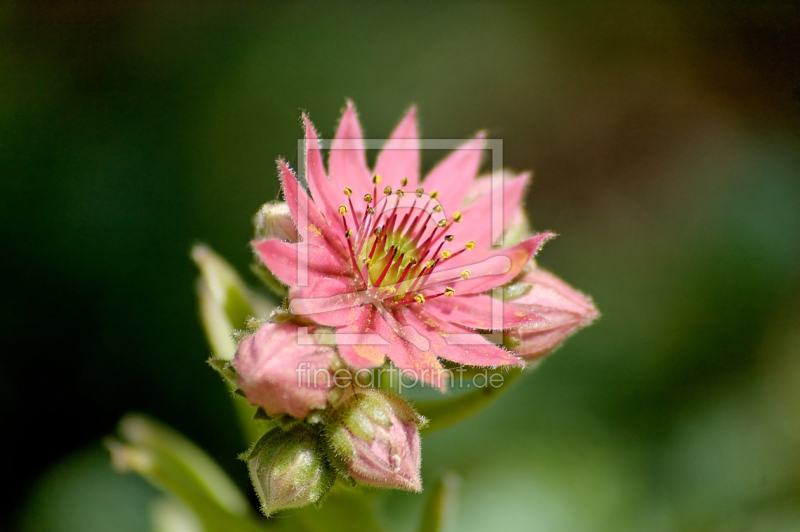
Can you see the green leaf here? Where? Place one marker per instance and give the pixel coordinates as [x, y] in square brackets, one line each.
[439, 514]
[179, 468]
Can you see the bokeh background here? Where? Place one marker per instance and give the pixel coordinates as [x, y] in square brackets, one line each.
[665, 143]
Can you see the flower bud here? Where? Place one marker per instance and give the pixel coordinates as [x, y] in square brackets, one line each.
[375, 435]
[288, 469]
[564, 309]
[274, 220]
[283, 369]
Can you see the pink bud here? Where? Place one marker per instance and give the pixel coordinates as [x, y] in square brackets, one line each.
[282, 369]
[565, 310]
[375, 435]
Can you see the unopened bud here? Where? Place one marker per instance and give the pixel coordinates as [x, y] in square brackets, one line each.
[564, 309]
[288, 469]
[374, 433]
[274, 220]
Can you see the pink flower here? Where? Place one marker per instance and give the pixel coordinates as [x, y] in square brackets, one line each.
[282, 369]
[564, 309]
[391, 263]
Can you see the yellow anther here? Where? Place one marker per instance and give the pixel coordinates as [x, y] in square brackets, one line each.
[348, 191]
[342, 209]
[465, 274]
[446, 254]
[348, 233]
[434, 194]
[438, 208]
[387, 190]
[404, 181]
[449, 238]
[368, 198]
[377, 179]
[378, 230]
[470, 245]
[429, 264]
[449, 291]
[367, 261]
[441, 223]
[400, 193]
[457, 217]
[370, 211]
[419, 298]
[419, 192]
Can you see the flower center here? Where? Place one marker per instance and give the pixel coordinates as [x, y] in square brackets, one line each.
[397, 242]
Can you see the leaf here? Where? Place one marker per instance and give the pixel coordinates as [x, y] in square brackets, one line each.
[439, 514]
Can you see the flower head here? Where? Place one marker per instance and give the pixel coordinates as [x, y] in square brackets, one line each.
[399, 267]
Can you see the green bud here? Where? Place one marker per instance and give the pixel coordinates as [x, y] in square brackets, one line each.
[288, 469]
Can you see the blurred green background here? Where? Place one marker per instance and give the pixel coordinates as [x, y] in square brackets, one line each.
[665, 141]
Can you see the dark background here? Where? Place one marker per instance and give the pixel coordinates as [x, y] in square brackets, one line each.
[665, 143]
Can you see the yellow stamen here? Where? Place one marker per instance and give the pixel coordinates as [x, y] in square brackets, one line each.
[419, 298]
[441, 223]
[348, 191]
[348, 233]
[434, 194]
[404, 181]
[419, 192]
[377, 231]
[377, 179]
[370, 210]
[446, 254]
[387, 190]
[400, 193]
[342, 209]
[368, 198]
[449, 238]
[438, 208]
[449, 291]
[470, 245]
[457, 217]
[429, 264]
[465, 274]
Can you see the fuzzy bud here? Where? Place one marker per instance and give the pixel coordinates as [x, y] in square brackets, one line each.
[375, 436]
[274, 220]
[288, 469]
[564, 309]
[282, 369]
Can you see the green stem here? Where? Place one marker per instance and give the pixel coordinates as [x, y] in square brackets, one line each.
[449, 411]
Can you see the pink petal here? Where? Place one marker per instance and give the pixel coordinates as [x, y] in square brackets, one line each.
[404, 346]
[480, 312]
[322, 190]
[458, 344]
[453, 176]
[288, 260]
[359, 343]
[476, 222]
[487, 270]
[311, 225]
[280, 373]
[400, 156]
[347, 162]
[329, 301]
